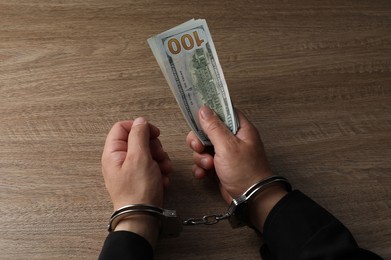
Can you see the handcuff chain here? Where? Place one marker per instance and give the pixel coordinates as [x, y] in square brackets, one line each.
[238, 202]
[172, 224]
[206, 220]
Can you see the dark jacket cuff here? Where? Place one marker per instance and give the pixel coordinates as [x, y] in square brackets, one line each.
[126, 245]
[298, 228]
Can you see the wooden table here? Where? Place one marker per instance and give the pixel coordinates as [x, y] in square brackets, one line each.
[313, 76]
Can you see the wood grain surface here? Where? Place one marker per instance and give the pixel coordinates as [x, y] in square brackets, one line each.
[313, 76]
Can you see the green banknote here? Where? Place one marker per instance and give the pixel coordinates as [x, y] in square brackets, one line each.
[188, 59]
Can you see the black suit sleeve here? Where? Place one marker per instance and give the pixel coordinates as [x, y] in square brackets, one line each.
[298, 228]
[126, 245]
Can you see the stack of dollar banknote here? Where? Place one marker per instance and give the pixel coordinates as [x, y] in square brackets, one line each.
[188, 59]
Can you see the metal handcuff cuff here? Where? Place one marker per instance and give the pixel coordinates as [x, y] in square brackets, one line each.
[171, 224]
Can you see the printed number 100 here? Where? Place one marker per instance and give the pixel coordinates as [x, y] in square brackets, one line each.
[187, 42]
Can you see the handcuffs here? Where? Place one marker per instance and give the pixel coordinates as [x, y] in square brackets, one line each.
[172, 225]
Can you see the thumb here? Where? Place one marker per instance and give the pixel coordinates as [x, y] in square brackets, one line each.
[213, 127]
[138, 140]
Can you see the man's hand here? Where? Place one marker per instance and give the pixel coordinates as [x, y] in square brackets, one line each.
[135, 168]
[239, 161]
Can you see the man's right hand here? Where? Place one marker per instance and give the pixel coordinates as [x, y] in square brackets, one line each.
[239, 161]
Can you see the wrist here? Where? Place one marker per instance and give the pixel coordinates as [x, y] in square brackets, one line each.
[261, 205]
[144, 225]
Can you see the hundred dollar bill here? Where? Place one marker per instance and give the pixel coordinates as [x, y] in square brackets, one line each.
[188, 59]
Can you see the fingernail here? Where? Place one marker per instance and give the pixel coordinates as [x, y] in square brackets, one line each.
[139, 121]
[206, 112]
[193, 144]
[198, 173]
[204, 162]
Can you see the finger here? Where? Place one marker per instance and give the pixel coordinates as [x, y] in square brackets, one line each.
[203, 160]
[247, 130]
[165, 167]
[114, 151]
[198, 172]
[160, 156]
[213, 127]
[157, 151]
[166, 181]
[154, 131]
[138, 140]
[118, 136]
[194, 143]
[158, 142]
